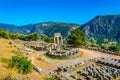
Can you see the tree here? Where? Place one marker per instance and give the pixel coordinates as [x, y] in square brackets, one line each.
[7, 35]
[113, 46]
[33, 36]
[105, 44]
[21, 36]
[49, 40]
[13, 36]
[113, 43]
[88, 43]
[46, 38]
[4, 34]
[77, 37]
[43, 37]
[94, 43]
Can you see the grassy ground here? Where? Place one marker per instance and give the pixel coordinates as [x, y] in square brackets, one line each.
[5, 60]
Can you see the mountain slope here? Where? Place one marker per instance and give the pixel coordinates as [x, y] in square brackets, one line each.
[9, 27]
[103, 27]
[48, 28]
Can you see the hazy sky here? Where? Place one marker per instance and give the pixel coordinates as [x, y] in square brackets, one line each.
[21, 12]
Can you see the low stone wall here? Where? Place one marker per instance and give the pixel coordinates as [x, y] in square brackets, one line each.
[67, 54]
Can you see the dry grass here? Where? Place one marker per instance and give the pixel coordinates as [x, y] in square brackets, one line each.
[6, 53]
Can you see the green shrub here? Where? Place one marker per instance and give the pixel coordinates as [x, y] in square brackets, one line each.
[22, 64]
[114, 48]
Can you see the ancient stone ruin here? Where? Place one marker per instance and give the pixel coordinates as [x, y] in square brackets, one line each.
[58, 39]
[60, 50]
[99, 69]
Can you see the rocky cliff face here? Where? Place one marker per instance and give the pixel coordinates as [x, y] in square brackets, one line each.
[103, 27]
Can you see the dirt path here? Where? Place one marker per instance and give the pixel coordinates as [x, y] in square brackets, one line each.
[96, 54]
